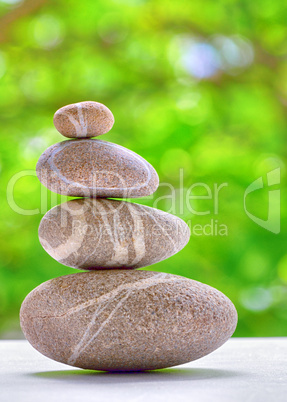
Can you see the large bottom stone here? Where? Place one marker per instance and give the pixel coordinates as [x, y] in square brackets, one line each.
[126, 320]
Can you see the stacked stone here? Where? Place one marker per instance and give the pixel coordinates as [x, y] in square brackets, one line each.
[113, 317]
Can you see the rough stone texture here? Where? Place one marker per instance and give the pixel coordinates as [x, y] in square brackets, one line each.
[95, 168]
[126, 320]
[100, 233]
[83, 119]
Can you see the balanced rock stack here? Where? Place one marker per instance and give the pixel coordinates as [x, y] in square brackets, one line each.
[113, 317]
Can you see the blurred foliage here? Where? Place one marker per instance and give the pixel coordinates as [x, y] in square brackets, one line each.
[198, 87]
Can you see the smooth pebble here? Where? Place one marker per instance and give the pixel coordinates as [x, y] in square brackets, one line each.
[83, 119]
[95, 168]
[126, 321]
[103, 234]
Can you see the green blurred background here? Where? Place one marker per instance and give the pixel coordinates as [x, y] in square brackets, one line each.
[198, 87]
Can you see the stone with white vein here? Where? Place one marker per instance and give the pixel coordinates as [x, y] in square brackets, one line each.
[83, 120]
[126, 320]
[103, 234]
[95, 168]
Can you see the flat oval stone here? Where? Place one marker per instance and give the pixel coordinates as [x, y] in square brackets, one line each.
[126, 320]
[95, 168]
[103, 234]
[83, 119]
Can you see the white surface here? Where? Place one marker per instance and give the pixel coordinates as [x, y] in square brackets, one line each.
[242, 370]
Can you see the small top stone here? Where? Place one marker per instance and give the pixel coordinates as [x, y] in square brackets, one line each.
[83, 119]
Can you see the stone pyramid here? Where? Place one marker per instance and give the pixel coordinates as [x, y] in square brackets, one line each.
[114, 317]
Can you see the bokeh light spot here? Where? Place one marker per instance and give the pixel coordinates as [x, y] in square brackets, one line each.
[256, 299]
[47, 31]
[206, 58]
[201, 60]
[254, 265]
[188, 101]
[11, 1]
[37, 85]
[235, 51]
[33, 147]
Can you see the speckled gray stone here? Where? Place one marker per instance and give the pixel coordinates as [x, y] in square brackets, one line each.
[83, 119]
[95, 168]
[100, 233]
[126, 320]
